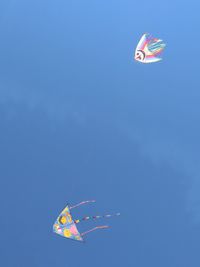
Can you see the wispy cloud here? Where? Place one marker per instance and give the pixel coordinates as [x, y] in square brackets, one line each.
[177, 150]
[56, 108]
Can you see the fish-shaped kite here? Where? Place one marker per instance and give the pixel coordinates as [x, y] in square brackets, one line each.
[66, 226]
[149, 49]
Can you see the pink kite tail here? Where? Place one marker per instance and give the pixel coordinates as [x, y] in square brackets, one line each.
[94, 229]
[82, 203]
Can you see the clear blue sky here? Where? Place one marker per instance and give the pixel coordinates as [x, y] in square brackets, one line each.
[81, 120]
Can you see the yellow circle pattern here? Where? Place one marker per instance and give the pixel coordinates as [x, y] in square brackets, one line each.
[67, 233]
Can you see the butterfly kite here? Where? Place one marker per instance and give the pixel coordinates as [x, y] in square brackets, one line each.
[66, 226]
[149, 49]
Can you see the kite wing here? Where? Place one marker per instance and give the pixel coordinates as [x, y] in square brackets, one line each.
[149, 49]
[65, 226]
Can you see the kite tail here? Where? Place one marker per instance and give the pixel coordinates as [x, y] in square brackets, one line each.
[82, 203]
[96, 217]
[157, 47]
[94, 229]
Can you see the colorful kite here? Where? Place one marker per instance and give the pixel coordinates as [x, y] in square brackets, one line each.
[148, 49]
[66, 226]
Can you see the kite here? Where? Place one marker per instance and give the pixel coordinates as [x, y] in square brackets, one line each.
[148, 49]
[65, 225]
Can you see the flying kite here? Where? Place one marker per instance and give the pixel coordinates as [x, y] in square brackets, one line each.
[149, 49]
[65, 225]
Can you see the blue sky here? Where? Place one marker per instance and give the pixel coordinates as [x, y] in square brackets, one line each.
[81, 120]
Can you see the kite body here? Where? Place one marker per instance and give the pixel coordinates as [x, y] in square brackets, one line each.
[66, 226]
[149, 49]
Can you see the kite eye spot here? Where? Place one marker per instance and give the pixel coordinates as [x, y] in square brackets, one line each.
[140, 55]
[62, 220]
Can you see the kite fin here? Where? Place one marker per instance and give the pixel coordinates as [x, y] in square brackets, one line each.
[94, 229]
